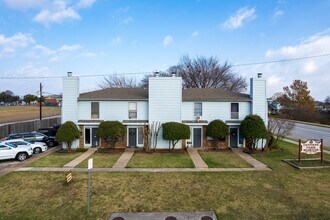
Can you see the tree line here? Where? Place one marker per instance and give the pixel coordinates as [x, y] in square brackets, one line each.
[8, 96]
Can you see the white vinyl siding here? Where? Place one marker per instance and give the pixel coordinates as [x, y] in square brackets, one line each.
[112, 110]
[215, 110]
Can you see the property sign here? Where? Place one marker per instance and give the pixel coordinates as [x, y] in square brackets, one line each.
[311, 147]
[90, 163]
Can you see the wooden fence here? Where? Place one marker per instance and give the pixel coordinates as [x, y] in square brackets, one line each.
[27, 126]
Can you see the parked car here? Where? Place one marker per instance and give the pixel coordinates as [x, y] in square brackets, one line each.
[37, 147]
[49, 131]
[34, 137]
[12, 151]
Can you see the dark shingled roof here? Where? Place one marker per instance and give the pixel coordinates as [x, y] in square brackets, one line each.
[192, 94]
[215, 95]
[116, 94]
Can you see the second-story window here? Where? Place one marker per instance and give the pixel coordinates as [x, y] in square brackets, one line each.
[95, 110]
[198, 109]
[132, 110]
[234, 111]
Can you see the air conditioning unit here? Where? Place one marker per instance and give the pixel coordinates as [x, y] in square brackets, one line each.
[198, 118]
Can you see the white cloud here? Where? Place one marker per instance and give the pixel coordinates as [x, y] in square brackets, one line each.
[25, 4]
[278, 13]
[195, 34]
[47, 16]
[313, 71]
[127, 20]
[85, 3]
[9, 45]
[52, 11]
[123, 10]
[236, 21]
[168, 40]
[70, 47]
[44, 49]
[116, 41]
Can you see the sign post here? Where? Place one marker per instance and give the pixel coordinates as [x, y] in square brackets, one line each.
[90, 167]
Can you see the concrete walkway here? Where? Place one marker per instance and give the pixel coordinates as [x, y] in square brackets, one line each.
[124, 158]
[80, 159]
[141, 170]
[26, 162]
[196, 158]
[254, 162]
[295, 142]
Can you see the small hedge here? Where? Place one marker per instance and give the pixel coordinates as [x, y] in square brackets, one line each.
[67, 133]
[111, 132]
[253, 129]
[174, 132]
[217, 129]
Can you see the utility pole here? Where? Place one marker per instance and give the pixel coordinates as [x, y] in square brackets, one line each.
[40, 101]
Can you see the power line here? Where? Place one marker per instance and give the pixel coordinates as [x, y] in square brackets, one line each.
[283, 60]
[144, 73]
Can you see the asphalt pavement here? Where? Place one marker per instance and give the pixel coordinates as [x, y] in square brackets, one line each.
[304, 132]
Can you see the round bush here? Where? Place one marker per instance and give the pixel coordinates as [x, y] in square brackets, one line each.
[67, 133]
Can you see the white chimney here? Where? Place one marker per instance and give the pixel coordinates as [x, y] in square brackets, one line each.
[70, 96]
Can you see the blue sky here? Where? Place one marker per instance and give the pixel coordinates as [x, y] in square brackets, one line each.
[49, 38]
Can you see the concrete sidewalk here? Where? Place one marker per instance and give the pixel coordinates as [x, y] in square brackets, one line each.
[141, 170]
[26, 162]
[124, 158]
[80, 159]
[254, 162]
[295, 142]
[196, 158]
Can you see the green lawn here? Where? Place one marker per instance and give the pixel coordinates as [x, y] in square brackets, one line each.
[105, 160]
[284, 193]
[223, 159]
[160, 160]
[56, 159]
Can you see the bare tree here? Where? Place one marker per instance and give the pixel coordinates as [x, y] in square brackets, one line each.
[327, 100]
[145, 80]
[279, 128]
[207, 72]
[116, 81]
[204, 72]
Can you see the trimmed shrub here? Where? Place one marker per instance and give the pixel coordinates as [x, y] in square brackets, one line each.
[174, 132]
[217, 129]
[111, 132]
[253, 129]
[67, 133]
[81, 149]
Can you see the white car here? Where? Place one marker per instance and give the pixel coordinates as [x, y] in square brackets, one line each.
[37, 147]
[12, 151]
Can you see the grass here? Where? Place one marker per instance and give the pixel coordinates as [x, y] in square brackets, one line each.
[56, 159]
[160, 160]
[20, 113]
[283, 193]
[223, 159]
[101, 160]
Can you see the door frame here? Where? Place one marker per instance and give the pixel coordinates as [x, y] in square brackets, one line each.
[90, 136]
[192, 135]
[137, 136]
[238, 135]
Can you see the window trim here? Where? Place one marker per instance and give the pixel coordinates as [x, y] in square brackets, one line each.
[132, 111]
[98, 110]
[234, 113]
[201, 109]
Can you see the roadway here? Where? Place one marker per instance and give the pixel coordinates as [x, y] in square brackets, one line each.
[304, 132]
